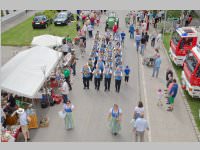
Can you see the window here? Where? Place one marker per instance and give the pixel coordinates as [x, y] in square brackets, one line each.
[175, 38]
[191, 62]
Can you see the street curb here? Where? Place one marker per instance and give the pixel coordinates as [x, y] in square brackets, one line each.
[184, 98]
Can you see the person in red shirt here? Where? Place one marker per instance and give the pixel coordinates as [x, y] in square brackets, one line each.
[92, 19]
[83, 18]
[188, 21]
[115, 28]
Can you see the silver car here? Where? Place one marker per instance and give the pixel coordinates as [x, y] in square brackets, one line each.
[63, 18]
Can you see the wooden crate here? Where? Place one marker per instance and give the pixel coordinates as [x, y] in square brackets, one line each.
[34, 122]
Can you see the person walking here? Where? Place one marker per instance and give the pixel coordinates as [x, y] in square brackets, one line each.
[68, 108]
[90, 29]
[160, 95]
[131, 31]
[173, 92]
[169, 77]
[118, 77]
[107, 36]
[24, 119]
[140, 126]
[143, 44]
[138, 38]
[138, 110]
[153, 39]
[91, 65]
[115, 28]
[123, 35]
[127, 72]
[73, 63]
[115, 117]
[156, 66]
[146, 36]
[107, 77]
[86, 71]
[97, 77]
[67, 77]
[65, 91]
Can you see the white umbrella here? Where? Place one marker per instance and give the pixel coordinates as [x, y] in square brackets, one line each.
[47, 40]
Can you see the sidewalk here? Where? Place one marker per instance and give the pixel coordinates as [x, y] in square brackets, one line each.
[165, 126]
[14, 19]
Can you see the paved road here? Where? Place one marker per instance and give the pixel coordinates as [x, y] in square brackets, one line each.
[15, 20]
[91, 107]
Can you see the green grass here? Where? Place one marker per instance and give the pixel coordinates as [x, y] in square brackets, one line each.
[193, 102]
[22, 34]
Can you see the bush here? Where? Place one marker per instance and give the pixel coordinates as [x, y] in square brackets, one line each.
[50, 13]
[173, 13]
[2, 14]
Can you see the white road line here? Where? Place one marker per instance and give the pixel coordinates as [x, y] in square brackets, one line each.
[146, 102]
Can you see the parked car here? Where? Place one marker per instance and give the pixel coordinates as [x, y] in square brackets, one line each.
[112, 18]
[63, 18]
[40, 21]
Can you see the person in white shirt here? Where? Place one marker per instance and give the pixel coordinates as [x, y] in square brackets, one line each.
[138, 110]
[139, 128]
[65, 91]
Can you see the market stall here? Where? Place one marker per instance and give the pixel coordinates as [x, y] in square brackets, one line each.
[24, 75]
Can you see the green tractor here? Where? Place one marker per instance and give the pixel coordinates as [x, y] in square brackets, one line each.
[111, 20]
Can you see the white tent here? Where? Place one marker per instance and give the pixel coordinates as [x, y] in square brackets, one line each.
[47, 40]
[23, 74]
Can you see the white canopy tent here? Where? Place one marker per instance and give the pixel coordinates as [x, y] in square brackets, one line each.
[47, 40]
[23, 74]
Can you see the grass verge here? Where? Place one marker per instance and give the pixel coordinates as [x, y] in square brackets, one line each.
[193, 102]
[23, 33]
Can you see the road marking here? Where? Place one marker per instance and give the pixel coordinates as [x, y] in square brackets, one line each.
[146, 101]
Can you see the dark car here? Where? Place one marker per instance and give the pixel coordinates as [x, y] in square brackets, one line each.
[40, 22]
[63, 18]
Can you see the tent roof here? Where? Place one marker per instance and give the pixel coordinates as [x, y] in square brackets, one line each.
[47, 40]
[23, 75]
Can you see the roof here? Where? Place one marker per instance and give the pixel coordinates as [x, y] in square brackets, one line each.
[187, 32]
[23, 75]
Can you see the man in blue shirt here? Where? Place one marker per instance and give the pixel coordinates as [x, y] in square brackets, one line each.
[86, 71]
[156, 67]
[107, 78]
[118, 77]
[97, 77]
[173, 92]
[123, 35]
[127, 72]
[131, 31]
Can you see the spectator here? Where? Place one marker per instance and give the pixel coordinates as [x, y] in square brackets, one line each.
[173, 92]
[90, 29]
[73, 63]
[65, 91]
[24, 119]
[146, 36]
[67, 77]
[138, 110]
[131, 31]
[138, 38]
[160, 95]
[115, 28]
[156, 66]
[143, 44]
[139, 127]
